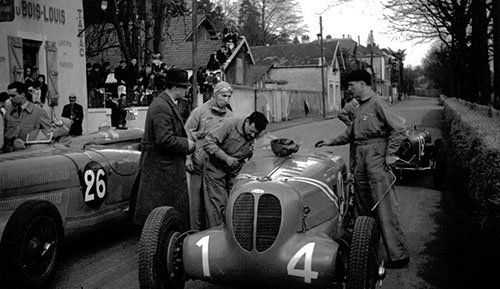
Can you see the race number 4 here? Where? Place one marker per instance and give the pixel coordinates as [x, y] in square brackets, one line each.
[94, 184]
[307, 273]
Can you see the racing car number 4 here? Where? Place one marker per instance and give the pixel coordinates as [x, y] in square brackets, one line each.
[94, 184]
[307, 251]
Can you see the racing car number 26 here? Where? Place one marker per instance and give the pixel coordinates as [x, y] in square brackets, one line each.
[306, 251]
[94, 184]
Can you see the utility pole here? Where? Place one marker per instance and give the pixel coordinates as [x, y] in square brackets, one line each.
[320, 35]
[194, 87]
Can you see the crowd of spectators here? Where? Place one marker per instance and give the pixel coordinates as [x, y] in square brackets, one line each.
[141, 84]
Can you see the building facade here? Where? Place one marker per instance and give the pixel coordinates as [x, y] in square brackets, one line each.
[47, 37]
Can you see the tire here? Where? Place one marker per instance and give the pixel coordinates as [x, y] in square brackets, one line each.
[160, 251]
[439, 173]
[362, 267]
[31, 245]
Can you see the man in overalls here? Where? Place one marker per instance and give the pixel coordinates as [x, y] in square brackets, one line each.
[377, 133]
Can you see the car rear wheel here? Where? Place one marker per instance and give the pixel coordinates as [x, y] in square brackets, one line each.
[31, 245]
[160, 251]
[362, 268]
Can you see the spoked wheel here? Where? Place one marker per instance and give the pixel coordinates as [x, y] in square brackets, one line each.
[362, 269]
[31, 245]
[160, 251]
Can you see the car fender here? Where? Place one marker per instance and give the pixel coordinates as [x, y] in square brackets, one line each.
[213, 256]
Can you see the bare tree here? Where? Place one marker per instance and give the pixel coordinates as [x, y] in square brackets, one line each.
[278, 18]
[448, 20]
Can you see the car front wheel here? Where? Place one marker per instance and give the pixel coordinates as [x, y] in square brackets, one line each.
[160, 251]
[31, 245]
[362, 267]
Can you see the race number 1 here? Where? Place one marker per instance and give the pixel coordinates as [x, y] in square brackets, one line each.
[94, 184]
[307, 273]
[203, 243]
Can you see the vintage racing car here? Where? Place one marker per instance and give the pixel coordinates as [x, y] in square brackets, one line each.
[286, 225]
[52, 190]
[418, 153]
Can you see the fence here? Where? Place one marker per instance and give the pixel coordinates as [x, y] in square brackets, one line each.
[277, 104]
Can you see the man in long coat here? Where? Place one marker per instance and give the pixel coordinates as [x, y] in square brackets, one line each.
[164, 149]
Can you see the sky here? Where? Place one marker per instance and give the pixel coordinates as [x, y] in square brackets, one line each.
[357, 18]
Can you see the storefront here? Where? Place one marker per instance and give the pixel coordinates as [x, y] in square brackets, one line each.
[45, 35]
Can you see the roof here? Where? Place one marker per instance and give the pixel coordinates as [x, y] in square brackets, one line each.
[241, 43]
[181, 54]
[178, 47]
[293, 55]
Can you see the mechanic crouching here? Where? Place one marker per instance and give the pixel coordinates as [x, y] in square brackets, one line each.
[228, 146]
[377, 133]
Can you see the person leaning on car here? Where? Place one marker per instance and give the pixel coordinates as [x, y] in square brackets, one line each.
[22, 117]
[164, 148]
[201, 120]
[377, 132]
[228, 146]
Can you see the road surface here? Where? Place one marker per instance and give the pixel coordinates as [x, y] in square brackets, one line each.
[430, 219]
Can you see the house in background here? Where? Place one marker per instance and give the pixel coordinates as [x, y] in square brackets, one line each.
[372, 58]
[177, 49]
[298, 67]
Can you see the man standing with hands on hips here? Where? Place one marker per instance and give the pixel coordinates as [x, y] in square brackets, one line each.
[164, 148]
[377, 133]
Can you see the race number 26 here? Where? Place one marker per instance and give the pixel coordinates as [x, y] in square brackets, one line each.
[94, 184]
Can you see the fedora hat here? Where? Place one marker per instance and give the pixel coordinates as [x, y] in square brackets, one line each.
[177, 76]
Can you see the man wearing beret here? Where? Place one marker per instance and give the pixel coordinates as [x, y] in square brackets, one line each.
[377, 133]
[164, 148]
[202, 120]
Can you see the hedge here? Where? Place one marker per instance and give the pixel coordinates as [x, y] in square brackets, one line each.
[473, 145]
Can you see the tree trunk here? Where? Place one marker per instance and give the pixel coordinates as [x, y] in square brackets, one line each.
[480, 84]
[496, 53]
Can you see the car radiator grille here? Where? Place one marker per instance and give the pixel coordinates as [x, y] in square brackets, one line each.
[268, 221]
[243, 214]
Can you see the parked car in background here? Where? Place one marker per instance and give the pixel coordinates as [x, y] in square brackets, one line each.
[418, 153]
[288, 223]
[52, 190]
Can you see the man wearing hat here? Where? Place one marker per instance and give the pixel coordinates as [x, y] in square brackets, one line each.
[74, 112]
[377, 133]
[201, 120]
[164, 148]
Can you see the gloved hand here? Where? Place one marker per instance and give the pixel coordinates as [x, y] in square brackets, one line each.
[320, 143]
[390, 160]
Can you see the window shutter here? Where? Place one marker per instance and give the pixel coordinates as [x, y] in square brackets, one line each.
[52, 74]
[16, 59]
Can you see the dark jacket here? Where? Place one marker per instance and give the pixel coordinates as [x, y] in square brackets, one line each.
[164, 149]
[75, 113]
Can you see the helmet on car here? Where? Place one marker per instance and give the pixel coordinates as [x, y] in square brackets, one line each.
[283, 147]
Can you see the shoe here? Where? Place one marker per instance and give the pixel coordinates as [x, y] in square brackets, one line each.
[398, 264]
